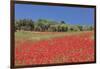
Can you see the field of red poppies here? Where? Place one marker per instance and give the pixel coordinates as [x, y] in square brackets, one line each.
[34, 48]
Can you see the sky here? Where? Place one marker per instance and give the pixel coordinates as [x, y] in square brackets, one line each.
[71, 15]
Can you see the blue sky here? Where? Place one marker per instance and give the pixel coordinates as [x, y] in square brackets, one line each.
[71, 15]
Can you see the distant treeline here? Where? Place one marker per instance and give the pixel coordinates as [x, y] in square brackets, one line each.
[44, 25]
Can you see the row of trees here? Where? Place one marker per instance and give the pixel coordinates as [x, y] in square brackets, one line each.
[43, 25]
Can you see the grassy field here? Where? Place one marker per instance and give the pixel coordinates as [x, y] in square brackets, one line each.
[34, 36]
[53, 39]
[53, 47]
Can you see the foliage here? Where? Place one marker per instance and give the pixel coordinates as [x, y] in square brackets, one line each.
[44, 25]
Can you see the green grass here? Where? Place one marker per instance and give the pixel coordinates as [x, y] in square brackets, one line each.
[28, 35]
[35, 35]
